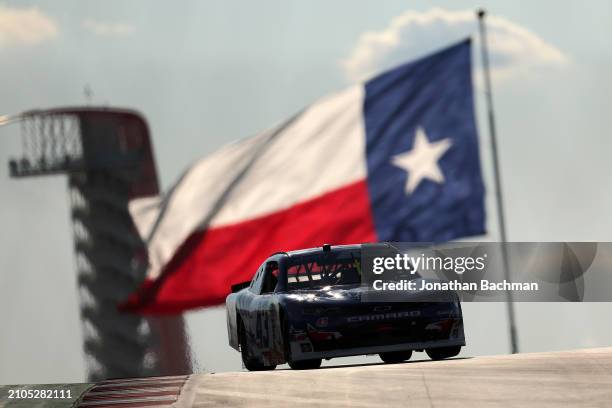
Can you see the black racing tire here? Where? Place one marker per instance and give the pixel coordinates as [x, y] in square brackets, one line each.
[295, 365]
[440, 353]
[285, 333]
[250, 362]
[305, 364]
[395, 356]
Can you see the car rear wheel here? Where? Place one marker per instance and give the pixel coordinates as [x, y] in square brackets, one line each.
[305, 364]
[441, 353]
[250, 362]
[395, 356]
[296, 365]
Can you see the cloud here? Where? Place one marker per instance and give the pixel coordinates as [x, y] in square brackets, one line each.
[513, 49]
[111, 29]
[25, 26]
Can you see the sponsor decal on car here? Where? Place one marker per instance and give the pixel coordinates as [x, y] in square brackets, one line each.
[322, 322]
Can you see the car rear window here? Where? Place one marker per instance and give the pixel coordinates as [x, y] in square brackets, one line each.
[325, 271]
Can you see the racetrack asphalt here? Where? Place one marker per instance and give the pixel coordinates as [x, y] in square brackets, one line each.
[580, 378]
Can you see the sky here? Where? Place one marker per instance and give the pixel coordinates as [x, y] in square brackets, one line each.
[207, 73]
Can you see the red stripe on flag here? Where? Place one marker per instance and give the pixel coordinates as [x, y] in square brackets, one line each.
[209, 262]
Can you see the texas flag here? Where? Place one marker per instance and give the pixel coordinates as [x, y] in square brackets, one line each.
[393, 159]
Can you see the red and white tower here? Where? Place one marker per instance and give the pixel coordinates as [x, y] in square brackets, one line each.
[108, 157]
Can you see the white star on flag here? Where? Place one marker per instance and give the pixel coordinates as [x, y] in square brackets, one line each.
[422, 160]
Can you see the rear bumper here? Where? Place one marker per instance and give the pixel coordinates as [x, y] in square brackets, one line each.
[431, 335]
[300, 355]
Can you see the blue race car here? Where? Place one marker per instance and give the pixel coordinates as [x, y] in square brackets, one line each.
[308, 305]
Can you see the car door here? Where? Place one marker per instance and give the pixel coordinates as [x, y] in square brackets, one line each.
[264, 324]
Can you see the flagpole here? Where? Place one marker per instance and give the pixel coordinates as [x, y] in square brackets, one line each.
[481, 13]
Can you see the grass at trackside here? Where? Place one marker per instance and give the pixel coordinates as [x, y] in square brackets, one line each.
[76, 390]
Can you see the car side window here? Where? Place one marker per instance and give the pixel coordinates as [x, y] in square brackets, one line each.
[270, 277]
[256, 282]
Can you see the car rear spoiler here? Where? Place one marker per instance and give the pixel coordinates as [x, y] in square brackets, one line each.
[239, 286]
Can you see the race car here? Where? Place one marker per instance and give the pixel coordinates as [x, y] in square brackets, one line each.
[307, 305]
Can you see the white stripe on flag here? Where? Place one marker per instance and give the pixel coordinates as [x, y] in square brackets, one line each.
[320, 150]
